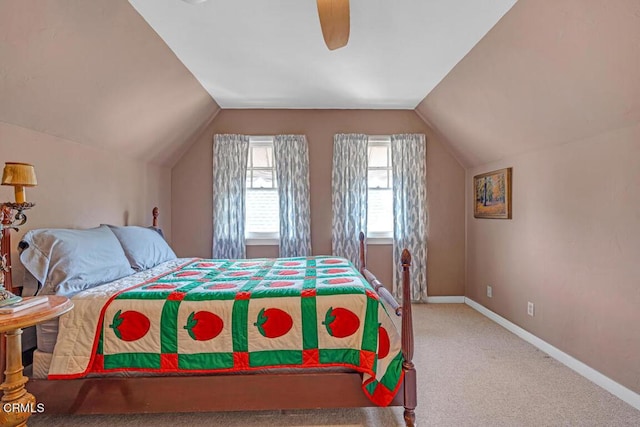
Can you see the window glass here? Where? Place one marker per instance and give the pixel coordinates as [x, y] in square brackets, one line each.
[380, 188]
[262, 211]
[262, 178]
[378, 156]
[378, 178]
[263, 156]
[262, 202]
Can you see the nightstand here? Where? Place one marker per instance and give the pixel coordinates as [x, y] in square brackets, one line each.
[17, 403]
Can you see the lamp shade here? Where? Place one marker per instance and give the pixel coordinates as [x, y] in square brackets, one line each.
[19, 175]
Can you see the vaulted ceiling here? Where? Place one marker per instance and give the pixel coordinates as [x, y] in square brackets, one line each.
[97, 73]
[271, 54]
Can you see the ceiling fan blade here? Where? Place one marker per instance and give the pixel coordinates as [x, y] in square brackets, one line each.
[334, 20]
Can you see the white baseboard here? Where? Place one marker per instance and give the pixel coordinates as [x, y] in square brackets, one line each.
[629, 396]
[446, 300]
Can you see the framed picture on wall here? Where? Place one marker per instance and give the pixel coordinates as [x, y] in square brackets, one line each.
[492, 196]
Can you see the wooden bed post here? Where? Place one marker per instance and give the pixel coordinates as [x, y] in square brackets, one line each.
[410, 385]
[410, 388]
[155, 212]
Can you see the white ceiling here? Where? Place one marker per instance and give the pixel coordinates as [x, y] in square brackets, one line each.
[271, 54]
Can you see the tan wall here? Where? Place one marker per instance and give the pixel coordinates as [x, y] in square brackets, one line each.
[81, 186]
[571, 248]
[192, 186]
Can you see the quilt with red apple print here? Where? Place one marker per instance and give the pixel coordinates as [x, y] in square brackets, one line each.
[214, 316]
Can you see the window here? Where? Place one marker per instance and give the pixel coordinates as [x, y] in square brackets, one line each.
[262, 207]
[380, 192]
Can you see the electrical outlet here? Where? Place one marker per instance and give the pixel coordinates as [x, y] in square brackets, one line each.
[489, 291]
[530, 308]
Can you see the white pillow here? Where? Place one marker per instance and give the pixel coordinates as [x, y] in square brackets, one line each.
[67, 261]
[144, 247]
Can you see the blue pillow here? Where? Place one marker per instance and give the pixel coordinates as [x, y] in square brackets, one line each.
[67, 261]
[144, 247]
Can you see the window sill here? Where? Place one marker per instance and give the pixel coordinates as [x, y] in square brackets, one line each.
[262, 242]
[379, 241]
[276, 242]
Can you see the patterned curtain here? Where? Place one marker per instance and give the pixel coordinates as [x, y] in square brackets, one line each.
[349, 194]
[230, 155]
[408, 158]
[292, 170]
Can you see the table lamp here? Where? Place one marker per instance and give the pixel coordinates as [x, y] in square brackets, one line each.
[20, 175]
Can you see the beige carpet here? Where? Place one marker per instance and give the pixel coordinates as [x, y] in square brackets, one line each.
[471, 372]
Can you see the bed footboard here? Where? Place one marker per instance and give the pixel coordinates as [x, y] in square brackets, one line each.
[410, 389]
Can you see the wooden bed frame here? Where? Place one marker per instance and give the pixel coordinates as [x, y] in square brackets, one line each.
[271, 391]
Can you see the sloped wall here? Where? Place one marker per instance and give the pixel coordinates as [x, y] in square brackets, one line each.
[548, 73]
[192, 186]
[94, 72]
[81, 186]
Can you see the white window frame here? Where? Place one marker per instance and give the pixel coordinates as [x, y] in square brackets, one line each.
[379, 238]
[261, 238]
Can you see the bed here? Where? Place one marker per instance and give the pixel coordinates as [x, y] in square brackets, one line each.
[352, 345]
